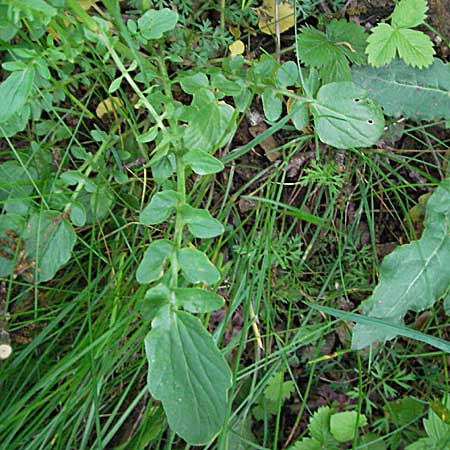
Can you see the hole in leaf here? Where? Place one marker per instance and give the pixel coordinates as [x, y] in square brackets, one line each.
[356, 100]
[370, 122]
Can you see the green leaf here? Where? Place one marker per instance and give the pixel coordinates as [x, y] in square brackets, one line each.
[287, 74]
[409, 13]
[210, 125]
[414, 47]
[319, 425]
[151, 267]
[381, 46]
[155, 298]
[160, 207]
[414, 276]
[16, 186]
[11, 229]
[14, 92]
[331, 51]
[49, 240]
[300, 114]
[422, 444]
[78, 214]
[373, 441]
[188, 374]
[192, 83]
[224, 86]
[314, 48]
[277, 389]
[153, 24]
[319, 428]
[343, 424]
[346, 117]
[381, 326]
[272, 104]
[200, 222]
[404, 91]
[437, 429]
[202, 163]
[404, 410]
[196, 266]
[115, 85]
[197, 300]
[348, 37]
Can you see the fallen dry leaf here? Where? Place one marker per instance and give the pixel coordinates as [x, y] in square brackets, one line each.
[266, 13]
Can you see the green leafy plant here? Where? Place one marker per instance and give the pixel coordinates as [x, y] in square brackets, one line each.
[437, 427]
[274, 395]
[414, 276]
[332, 51]
[344, 115]
[413, 46]
[329, 428]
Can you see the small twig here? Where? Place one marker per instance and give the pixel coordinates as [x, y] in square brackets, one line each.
[277, 29]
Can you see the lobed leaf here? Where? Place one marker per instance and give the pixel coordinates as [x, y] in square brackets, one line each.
[414, 47]
[409, 13]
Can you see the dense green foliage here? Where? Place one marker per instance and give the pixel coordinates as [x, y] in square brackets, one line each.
[127, 250]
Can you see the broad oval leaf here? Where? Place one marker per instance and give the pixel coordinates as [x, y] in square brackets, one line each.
[155, 298]
[14, 92]
[16, 187]
[407, 91]
[200, 222]
[346, 117]
[272, 104]
[202, 163]
[188, 374]
[196, 266]
[78, 214]
[160, 207]
[414, 276]
[211, 124]
[49, 240]
[151, 267]
[153, 24]
[197, 300]
[344, 424]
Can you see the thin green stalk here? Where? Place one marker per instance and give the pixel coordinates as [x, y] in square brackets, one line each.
[132, 83]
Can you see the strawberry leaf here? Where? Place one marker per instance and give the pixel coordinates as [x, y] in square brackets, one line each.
[409, 13]
[414, 47]
[381, 47]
